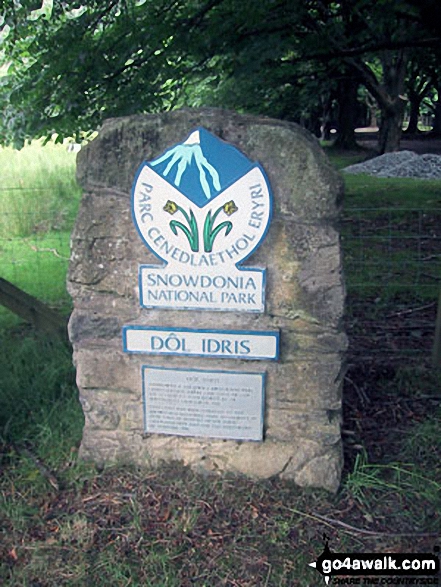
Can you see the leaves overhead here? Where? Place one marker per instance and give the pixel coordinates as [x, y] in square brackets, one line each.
[68, 65]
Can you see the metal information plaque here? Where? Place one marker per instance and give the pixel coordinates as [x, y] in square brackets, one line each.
[216, 404]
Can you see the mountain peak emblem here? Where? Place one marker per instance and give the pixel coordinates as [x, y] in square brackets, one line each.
[202, 166]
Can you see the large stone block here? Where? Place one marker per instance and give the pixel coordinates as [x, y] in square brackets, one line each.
[304, 290]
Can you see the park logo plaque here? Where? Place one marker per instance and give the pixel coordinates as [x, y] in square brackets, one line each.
[202, 207]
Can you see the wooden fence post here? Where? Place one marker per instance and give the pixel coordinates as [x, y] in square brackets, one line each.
[31, 309]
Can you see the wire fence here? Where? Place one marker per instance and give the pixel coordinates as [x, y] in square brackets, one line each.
[392, 248]
[35, 226]
[392, 265]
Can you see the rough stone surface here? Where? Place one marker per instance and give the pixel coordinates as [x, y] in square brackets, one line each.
[400, 164]
[304, 299]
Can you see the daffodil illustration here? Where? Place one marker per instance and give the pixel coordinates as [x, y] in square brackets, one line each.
[211, 233]
[190, 231]
[229, 208]
[171, 207]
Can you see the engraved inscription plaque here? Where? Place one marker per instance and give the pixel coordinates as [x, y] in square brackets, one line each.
[216, 404]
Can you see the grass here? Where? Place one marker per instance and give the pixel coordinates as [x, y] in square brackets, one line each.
[38, 190]
[371, 482]
[395, 193]
[47, 254]
[39, 400]
[391, 233]
[384, 253]
[39, 200]
[342, 158]
[65, 523]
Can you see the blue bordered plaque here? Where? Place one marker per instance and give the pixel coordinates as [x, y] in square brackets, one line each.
[229, 344]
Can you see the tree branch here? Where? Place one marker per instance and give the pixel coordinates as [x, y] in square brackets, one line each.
[368, 48]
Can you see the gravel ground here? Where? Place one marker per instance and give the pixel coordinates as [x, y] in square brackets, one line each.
[400, 164]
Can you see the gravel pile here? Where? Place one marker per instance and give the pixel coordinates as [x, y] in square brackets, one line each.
[400, 164]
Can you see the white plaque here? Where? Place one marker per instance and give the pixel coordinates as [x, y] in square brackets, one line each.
[216, 404]
[233, 344]
[171, 287]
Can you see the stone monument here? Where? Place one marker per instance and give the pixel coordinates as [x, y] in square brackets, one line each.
[208, 296]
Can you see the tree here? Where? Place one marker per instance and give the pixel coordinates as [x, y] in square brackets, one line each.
[71, 65]
[418, 87]
[69, 72]
[377, 54]
[369, 40]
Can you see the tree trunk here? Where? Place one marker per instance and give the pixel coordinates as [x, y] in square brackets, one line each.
[347, 113]
[326, 118]
[388, 93]
[436, 129]
[392, 105]
[415, 103]
[373, 108]
[391, 127]
[418, 86]
[326, 131]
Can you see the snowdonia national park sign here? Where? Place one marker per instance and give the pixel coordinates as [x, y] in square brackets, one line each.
[202, 207]
[208, 297]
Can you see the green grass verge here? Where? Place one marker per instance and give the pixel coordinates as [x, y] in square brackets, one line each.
[39, 199]
[38, 190]
[341, 159]
[392, 254]
[390, 233]
[39, 400]
[37, 265]
[366, 192]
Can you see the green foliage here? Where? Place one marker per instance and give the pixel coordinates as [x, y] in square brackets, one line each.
[69, 73]
[67, 69]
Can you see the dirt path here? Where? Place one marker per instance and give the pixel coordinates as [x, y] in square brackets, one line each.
[419, 144]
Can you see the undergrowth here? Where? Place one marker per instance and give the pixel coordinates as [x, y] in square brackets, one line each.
[39, 403]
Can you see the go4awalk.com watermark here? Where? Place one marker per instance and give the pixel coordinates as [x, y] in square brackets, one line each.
[378, 569]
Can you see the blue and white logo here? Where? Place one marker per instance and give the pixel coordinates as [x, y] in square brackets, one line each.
[202, 207]
[202, 166]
